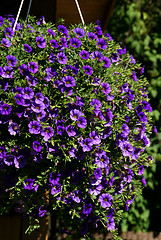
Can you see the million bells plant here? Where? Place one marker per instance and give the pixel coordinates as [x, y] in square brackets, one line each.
[75, 121]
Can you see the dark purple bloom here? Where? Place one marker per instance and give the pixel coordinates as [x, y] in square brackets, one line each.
[19, 99]
[107, 62]
[13, 128]
[34, 127]
[69, 81]
[37, 107]
[84, 54]
[108, 36]
[125, 130]
[62, 59]
[61, 129]
[114, 57]
[102, 161]
[62, 29]
[86, 144]
[146, 106]
[75, 114]
[9, 32]
[75, 42]
[71, 131]
[11, 60]
[81, 122]
[51, 57]
[54, 43]
[64, 42]
[53, 112]
[95, 138]
[79, 32]
[41, 116]
[142, 117]
[105, 88]
[141, 170]
[27, 93]
[87, 208]
[9, 160]
[39, 97]
[134, 76]
[37, 146]
[106, 200]
[95, 189]
[33, 67]
[23, 69]
[5, 109]
[51, 32]
[20, 161]
[101, 43]
[27, 48]
[46, 102]
[98, 173]
[47, 133]
[111, 224]
[40, 41]
[55, 187]
[5, 42]
[29, 184]
[88, 70]
[7, 72]
[51, 72]
[98, 30]
[92, 36]
[97, 55]
[127, 148]
[109, 117]
[121, 51]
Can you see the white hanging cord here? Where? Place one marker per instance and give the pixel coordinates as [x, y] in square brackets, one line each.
[18, 15]
[80, 13]
[28, 11]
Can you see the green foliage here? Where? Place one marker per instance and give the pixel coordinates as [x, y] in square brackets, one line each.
[136, 24]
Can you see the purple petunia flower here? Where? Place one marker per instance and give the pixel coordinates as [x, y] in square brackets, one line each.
[87, 208]
[37, 146]
[101, 43]
[102, 161]
[62, 29]
[64, 43]
[127, 148]
[20, 161]
[34, 127]
[54, 43]
[27, 93]
[71, 131]
[69, 81]
[81, 122]
[88, 70]
[106, 200]
[114, 57]
[51, 57]
[13, 128]
[75, 42]
[84, 54]
[86, 144]
[40, 41]
[9, 32]
[97, 55]
[111, 224]
[125, 130]
[27, 48]
[11, 60]
[134, 76]
[51, 32]
[62, 59]
[33, 67]
[98, 30]
[7, 72]
[95, 189]
[29, 184]
[75, 114]
[41, 116]
[95, 138]
[23, 69]
[19, 99]
[37, 107]
[47, 133]
[92, 36]
[107, 62]
[106, 88]
[55, 187]
[5, 42]
[79, 32]
[5, 109]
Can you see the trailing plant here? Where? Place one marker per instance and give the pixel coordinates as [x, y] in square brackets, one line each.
[75, 121]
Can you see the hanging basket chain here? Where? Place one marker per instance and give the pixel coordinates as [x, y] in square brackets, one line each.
[80, 13]
[18, 14]
[28, 11]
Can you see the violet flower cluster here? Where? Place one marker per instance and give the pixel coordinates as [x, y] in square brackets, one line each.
[75, 122]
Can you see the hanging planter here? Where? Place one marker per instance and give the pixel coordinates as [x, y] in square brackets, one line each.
[75, 121]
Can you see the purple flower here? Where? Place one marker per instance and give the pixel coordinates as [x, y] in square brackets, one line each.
[51, 72]
[41, 116]
[34, 127]
[37, 146]
[75, 114]
[47, 133]
[51, 32]
[88, 70]
[19, 99]
[11, 60]
[40, 41]
[62, 59]
[13, 128]
[106, 88]
[106, 200]
[23, 69]
[9, 32]
[101, 43]
[87, 208]
[5, 42]
[75, 42]
[95, 189]
[20, 161]
[54, 43]
[127, 148]
[84, 54]
[42, 211]
[107, 62]
[92, 36]
[64, 42]
[62, 29]
[1, 20]
[29, 184]
[114, 57]
[98, 30]
[5, 109]
[141, 170]
[33, 67]
[146, 106]
[39, 97]
[51, 57]
[81, 122]
[71, 131]
[55, 187]
[111, 224]
[7, 72]
[102, 161]
[27, 93]
[95, 138]
[97, 55]
[27, 48]
[86, 144]
[132, 59]
[79, 32]
[37, 107]
[128, 203]
[69, 81]
[125, 130]
[134, 76]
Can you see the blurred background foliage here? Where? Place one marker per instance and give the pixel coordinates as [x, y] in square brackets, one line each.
[136, 24]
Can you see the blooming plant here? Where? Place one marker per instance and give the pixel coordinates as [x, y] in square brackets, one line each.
[74, 121]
